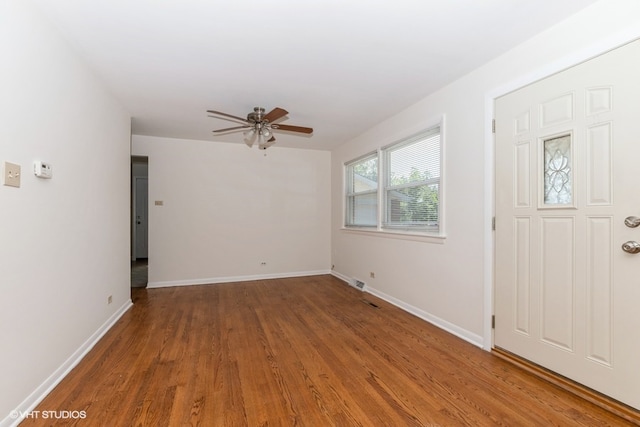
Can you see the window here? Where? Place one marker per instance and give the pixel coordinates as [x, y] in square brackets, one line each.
[362, 192]
[405, 178]
[412, 182]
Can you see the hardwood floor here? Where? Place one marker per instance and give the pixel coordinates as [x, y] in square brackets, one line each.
[305, 351]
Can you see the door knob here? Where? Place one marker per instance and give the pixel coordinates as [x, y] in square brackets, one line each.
[632, 221]
[631, 247]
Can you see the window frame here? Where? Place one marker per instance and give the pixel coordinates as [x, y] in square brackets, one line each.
[349, 196]
[385, 154]
[418, 233]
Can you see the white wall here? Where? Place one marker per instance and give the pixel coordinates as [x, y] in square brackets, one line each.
[227, 208]
[449, 283]
[65, 241]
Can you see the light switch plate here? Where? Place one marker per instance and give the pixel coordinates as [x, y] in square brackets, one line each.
[11, 174]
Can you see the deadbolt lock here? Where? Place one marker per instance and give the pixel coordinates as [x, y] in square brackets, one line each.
[632, 221]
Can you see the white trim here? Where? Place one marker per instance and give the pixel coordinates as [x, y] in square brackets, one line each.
[468, 336]
[341, 276]
[229, 279]
[442, 193]
[489, 212]
[614, 41]
[59, 374]
[397, 234]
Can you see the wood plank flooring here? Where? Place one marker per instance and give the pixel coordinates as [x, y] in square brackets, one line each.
[305, 351]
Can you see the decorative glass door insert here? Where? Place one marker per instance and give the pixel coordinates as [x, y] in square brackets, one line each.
[558, 171]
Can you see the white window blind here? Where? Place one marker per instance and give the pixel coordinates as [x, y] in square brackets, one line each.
[412, 182]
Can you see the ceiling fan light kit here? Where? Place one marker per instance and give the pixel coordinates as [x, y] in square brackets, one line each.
[259, 126]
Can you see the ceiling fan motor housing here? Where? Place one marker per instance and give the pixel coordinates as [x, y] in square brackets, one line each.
[257, 115]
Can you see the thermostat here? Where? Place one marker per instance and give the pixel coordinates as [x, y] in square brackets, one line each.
[43, 170]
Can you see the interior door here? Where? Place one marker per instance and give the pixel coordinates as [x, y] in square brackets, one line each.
[141, 197]
[567, 295]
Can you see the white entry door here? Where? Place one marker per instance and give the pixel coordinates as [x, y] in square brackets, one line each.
[567, 296]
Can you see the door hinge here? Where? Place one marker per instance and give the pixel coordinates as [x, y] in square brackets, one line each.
[493, 321]
[493, 126]
[493, 223]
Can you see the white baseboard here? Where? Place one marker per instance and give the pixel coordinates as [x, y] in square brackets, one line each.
[470, 337]
[228, 279]
[27, 405]
[342, 277]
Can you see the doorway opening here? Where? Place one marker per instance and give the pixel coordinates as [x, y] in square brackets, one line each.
[139, 221]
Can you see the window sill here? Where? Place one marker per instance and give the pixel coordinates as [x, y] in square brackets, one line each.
[397, 234]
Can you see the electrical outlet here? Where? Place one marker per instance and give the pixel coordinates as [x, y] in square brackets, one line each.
[263, 263]
[11, 174]
[372, 275]
[109, 299]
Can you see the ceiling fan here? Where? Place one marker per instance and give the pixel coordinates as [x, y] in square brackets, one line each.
[259, 126]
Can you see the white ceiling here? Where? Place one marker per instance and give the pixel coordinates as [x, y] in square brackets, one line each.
[339, 66]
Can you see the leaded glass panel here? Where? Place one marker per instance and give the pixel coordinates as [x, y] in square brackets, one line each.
[558, 181]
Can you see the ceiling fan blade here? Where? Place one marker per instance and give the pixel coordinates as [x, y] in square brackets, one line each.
[227, 115]
[275, 114]
[233, 128]
[291, 128]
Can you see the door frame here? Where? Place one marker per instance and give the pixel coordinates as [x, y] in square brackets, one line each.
[541, 73]
[135, 159]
